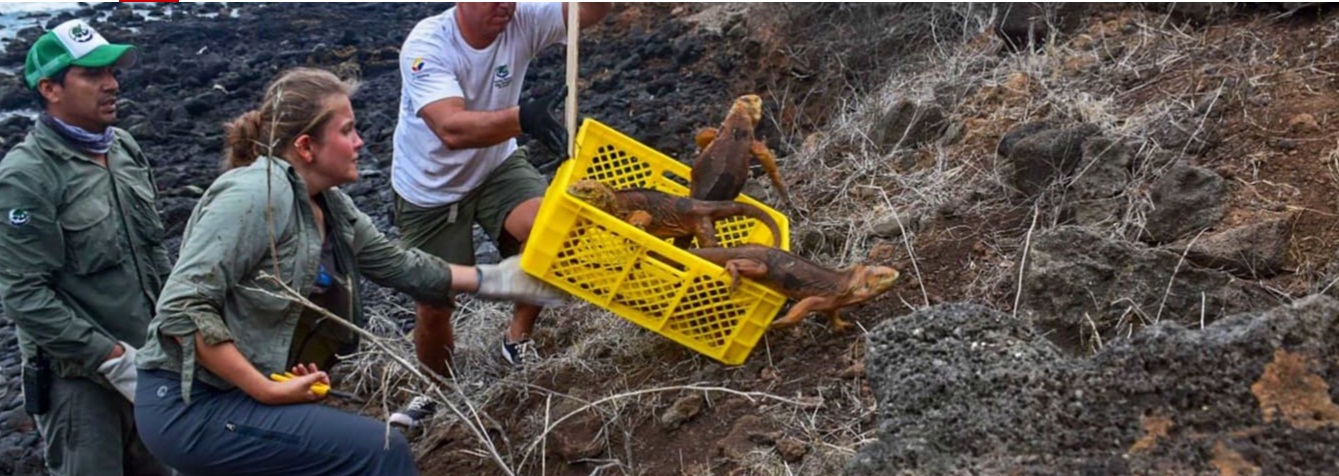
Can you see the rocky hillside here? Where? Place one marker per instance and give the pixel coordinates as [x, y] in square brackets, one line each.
[1112, 222]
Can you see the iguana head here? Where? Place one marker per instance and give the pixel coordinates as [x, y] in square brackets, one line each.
[750, 105]
[870, 281]
[593, 192]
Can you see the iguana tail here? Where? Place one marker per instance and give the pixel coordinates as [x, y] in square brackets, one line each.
[720, 256]
[730, 209]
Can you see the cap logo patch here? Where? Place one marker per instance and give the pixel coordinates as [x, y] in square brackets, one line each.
[80, 33]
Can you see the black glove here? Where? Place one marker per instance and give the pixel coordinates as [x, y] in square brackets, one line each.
[539, 122]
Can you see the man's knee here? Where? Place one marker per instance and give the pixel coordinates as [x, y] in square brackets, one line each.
[522, 219]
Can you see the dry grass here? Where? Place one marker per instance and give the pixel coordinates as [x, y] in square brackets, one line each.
[1130, 74]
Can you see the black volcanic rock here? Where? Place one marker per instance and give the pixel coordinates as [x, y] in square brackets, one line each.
[964, 389]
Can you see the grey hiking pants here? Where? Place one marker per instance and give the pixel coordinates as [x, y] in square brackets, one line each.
[89, 430]
[229, 433]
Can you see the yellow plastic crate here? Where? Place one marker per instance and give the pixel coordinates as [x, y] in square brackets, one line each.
[609, 263]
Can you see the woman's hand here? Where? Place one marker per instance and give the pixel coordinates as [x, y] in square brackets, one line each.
[301, 370]
[229, 364]
[297, 389]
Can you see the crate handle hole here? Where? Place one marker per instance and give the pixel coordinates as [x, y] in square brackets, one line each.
[676, 178]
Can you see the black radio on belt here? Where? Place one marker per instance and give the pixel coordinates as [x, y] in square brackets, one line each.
[37, 384]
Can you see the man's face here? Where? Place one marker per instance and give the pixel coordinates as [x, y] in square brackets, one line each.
[491, 18]
[87, 99]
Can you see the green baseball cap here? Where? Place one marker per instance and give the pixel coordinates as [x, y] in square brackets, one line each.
[73, 43]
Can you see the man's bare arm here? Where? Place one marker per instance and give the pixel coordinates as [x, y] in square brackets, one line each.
[459, 128]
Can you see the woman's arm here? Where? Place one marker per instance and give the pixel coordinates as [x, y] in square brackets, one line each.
[428, 279]
[225, 361]
[226, 239]
[423, 277]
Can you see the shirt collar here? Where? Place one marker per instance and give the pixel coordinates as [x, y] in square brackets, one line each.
[49, 140]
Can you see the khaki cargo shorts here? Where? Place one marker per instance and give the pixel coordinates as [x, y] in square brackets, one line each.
[447, 231]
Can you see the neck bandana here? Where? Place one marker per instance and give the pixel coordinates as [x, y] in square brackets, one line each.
[97, 143]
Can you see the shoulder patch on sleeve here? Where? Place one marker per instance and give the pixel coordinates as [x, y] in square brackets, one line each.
[18, 217]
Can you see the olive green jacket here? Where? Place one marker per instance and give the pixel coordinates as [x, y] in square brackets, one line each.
[81, 249]
[256, 221]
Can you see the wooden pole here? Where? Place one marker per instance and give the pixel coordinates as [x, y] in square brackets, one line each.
[573, 38]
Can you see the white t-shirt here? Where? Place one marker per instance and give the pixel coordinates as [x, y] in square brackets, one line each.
[436, 64]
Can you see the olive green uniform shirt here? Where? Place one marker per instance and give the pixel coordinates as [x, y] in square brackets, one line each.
[256, 221]
[81, 249]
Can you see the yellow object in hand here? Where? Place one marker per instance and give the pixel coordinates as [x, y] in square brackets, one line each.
[317, 388]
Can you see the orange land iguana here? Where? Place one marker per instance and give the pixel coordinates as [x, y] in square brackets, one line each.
[720, 170]
[664, 215]
[817, 288]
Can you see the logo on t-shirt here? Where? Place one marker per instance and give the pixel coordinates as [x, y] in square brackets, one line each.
[416, 65]
[502, 76]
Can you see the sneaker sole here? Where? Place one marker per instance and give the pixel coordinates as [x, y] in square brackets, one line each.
[402, 420]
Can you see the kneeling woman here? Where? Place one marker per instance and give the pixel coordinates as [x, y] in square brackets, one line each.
[204, 404]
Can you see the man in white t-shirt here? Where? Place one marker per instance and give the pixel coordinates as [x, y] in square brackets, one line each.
[456, 161]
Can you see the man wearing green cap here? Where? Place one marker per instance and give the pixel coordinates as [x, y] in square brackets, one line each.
[81, 256]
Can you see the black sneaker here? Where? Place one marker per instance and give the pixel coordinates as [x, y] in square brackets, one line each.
[413, 415]
[519, 354]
